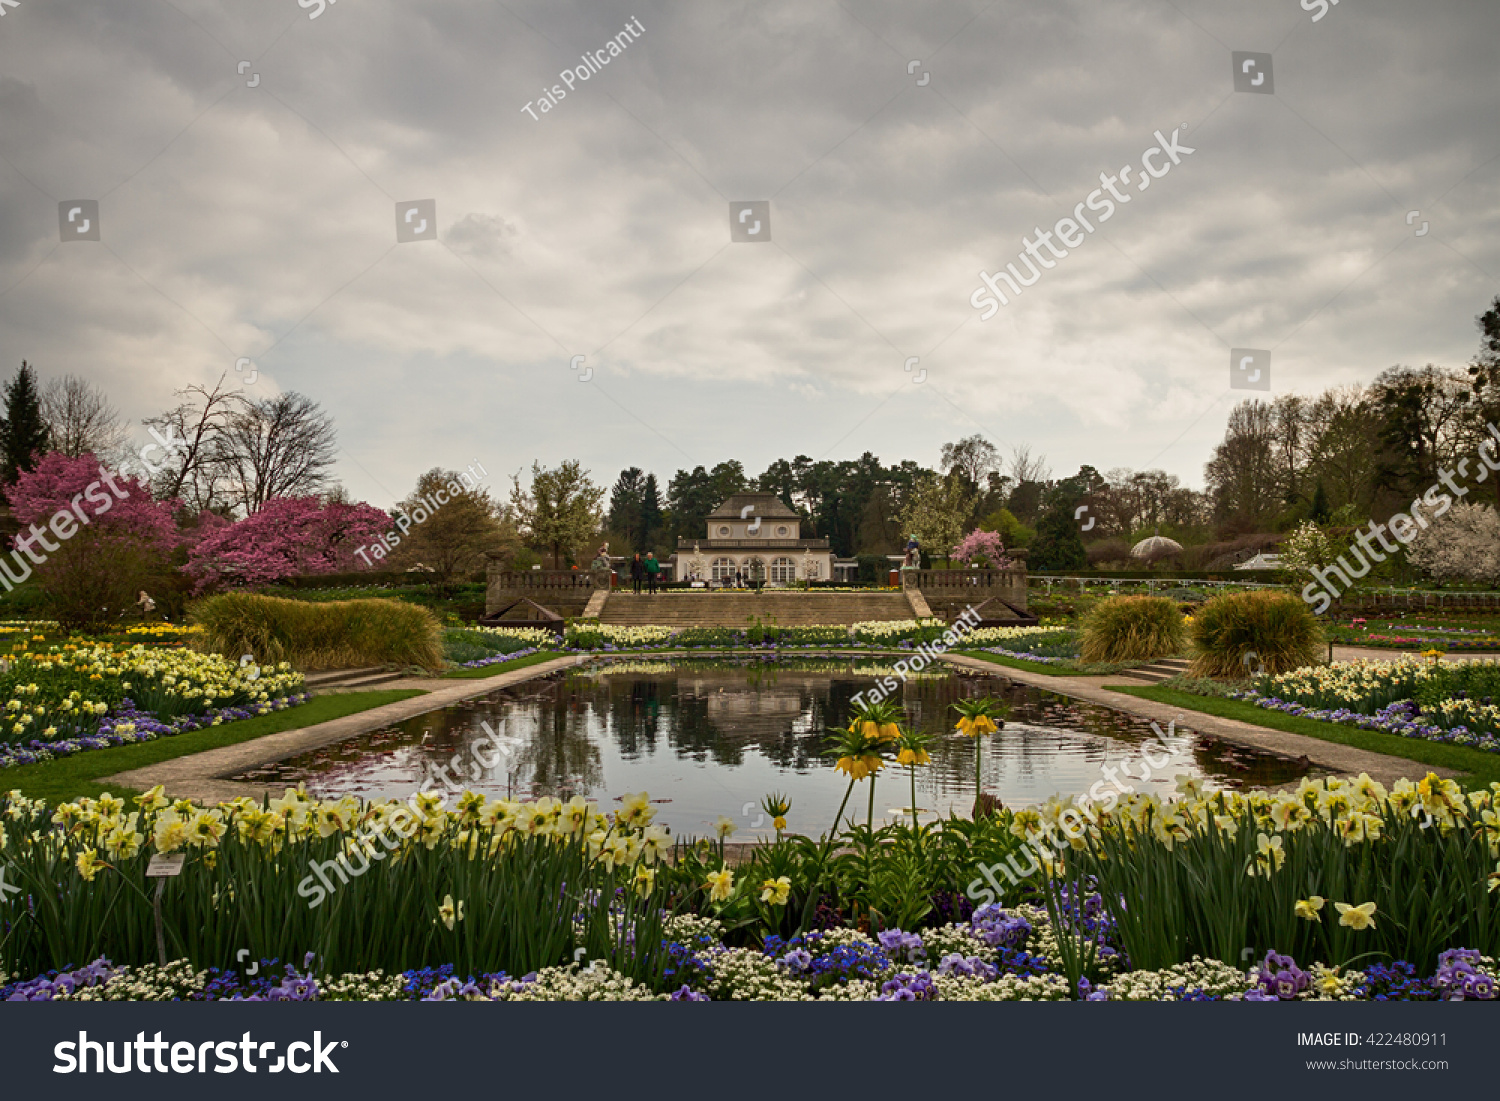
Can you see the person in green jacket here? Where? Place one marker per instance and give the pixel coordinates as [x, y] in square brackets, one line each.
[653, 570]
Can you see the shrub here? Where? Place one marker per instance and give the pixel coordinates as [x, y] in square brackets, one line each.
[334, 635]
[1276, 627]
[94, 579]
[1108, 550]
[1132, 628]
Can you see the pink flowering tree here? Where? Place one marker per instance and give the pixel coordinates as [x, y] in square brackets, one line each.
[287, 537]
[982, 547]
[93, 538]
[83, 488]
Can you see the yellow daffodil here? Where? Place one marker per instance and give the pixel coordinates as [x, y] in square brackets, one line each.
[1307, 908]
[450, 912]
[1356, 917]
[724, 827]
[1494, 879]
[88, 864]
[1268, 857]
[720, 885]
[776, 891]
[645, 879]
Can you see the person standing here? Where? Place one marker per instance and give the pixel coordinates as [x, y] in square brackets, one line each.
[637, 572]
[653, 568]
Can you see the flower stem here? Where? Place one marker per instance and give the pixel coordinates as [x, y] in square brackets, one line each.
[913, 770]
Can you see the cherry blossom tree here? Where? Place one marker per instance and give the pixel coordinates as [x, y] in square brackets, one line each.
[983, 546]
[286, 537]
[96, 540]
[83, 487]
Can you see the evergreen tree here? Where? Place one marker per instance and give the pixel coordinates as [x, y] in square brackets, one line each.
[625, 509]
[650, 514]
[1057, 545]
[23, 432]
[1320, 511]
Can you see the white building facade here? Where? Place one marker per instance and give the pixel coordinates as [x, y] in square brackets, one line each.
[750, 534]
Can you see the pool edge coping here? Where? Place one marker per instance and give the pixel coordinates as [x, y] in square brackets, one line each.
[204, 776]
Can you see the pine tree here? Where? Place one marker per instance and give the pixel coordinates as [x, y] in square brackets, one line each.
[650, 515]
[1057, 545]
[625, 509]
[23, 432]
[1320, 511]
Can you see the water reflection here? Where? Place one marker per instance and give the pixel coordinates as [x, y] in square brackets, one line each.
[710, 738]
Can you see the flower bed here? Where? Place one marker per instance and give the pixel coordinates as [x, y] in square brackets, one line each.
[1143, 899]
[71, 698]
[1412, 697]
[500, 659]
[126, 725]
[998, 955]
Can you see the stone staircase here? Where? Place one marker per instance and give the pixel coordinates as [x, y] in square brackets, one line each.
[349, 680]
[1157, 671]
[735, 609]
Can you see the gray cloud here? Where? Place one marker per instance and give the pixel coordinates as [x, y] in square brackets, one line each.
[259, 222]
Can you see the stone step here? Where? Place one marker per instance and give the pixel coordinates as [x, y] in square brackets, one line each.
[1157, 671]
[735, 609]
[329, 677]
[346, 680]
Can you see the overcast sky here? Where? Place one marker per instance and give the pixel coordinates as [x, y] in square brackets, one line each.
[260, 222]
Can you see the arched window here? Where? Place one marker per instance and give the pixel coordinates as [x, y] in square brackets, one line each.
[754, 567]
[723, 568]
[783, 569]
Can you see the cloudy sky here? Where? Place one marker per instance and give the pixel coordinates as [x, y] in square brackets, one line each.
[261, 221]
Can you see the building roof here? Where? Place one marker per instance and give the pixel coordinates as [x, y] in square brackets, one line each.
[751, 544]
[767, 505]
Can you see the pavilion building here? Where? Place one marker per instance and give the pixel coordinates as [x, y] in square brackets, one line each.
[752, 530]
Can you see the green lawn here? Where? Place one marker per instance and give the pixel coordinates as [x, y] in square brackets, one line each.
[1479, 768]
[68, 778]
[502, 667]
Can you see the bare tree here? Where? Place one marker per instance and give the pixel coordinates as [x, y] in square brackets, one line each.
[193, 470]
[1025, 468]
[276, 447]
[79, 418]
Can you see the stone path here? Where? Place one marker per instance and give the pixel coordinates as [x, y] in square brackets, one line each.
[1341, 759]
[201, 776]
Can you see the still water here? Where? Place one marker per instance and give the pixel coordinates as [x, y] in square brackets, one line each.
[707, 738]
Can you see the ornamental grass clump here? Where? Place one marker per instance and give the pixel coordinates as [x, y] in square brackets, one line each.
[1132, 629]
[1237, 634]
[339, 634]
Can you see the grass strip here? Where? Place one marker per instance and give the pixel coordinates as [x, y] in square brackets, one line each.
[502, 667]
[1099, 670]
[1478, 768]
[69, 778]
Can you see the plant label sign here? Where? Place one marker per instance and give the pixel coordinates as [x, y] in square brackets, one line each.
[165, 865]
